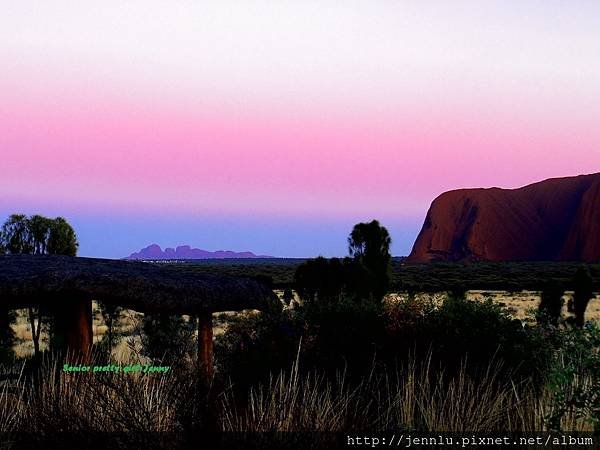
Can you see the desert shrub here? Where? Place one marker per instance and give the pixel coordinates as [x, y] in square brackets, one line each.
[167, 338]
[255, 345]
[111, 316]
[321, 279]
[458, 329]
[574, 378]
[351, 333]
[346, 333]
[288, 297]
[551, 303]
[583, 285]
[329, 280]
[7, 334]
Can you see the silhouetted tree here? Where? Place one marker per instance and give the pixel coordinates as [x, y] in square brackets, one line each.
[551, 303]
[320, 279]
[365, 275]
[369, 244]
[110, 314]
[15, 234]
[288, 296]
[62, 239]
[37, 235]
[358, 280]
[583, 284]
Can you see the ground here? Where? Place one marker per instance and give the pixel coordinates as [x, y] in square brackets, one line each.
[520, 305]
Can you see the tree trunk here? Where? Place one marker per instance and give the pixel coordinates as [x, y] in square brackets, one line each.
[5, 331]
[205, 346]
[73, 329]
[35, 335]
[109, 322]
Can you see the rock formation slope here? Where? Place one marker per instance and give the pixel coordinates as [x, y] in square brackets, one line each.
[555, 219]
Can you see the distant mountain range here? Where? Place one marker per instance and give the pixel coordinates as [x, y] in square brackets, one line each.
[154, 252]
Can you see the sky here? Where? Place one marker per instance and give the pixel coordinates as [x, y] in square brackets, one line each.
[275, 126]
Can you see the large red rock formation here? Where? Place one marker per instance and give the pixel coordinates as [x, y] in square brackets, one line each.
[555, 219]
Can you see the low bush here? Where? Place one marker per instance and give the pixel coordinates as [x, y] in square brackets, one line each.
[255, 345]
[459, 329]
[574, 378]
[351, 333]
[168, 339]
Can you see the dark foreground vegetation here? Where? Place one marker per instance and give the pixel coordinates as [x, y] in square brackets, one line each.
[337, 358]
[464, 366]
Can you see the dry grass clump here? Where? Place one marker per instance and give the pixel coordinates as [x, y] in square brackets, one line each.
[133, 407]
[415, 396]
[107, 402]
[294, 402]
[12, 405]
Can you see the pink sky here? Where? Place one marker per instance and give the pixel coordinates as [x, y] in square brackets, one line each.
[309, 111]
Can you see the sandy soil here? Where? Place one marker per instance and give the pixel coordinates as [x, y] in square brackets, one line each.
[521, 305]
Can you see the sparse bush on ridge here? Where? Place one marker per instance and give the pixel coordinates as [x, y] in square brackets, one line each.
[413, 277]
